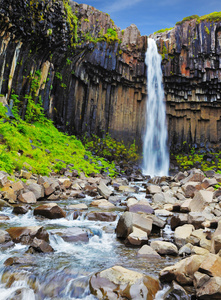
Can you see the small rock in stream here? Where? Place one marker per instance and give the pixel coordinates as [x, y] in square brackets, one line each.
[50, 211]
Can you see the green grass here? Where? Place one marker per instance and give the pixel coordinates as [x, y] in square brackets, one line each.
[187, 19]
[213, 17]
[163, 30]
[41, 148]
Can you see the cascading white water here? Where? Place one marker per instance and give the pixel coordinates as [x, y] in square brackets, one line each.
[155, 152]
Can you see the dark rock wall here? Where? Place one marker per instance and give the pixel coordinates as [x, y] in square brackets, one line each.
[191, 54]
[88, 87]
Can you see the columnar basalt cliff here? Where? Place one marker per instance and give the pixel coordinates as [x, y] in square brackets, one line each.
[88, 80]
[91, 76]
[191, 59]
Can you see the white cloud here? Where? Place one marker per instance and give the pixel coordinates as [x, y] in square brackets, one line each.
[120, 5]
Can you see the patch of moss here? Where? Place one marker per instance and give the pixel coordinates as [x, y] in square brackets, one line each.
[163, 30]
[189, 18]
[212, 17]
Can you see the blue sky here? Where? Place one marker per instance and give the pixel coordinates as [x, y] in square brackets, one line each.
[152, 15]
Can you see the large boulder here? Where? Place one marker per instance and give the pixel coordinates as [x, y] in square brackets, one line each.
[124, 225]
[201, 200]
[5, 240]
[28, 197]
[164, 248]
[153, 189]
[137, 237]
[190, 188]
[50, 211]
[178, 220]
[141, 207]
[182, 233]
[200, 279]
[211, 289]
[26, 235]
[120, 283]
[199, 237]
[40, 246]
[196, 175]
[211, 265]
[143, 222]
[104, 190]
[3, 179]
[102, 203]
[37, 190]
[21, 209]
[183, 271]
[128, 221]
[147, 252]
[196, 219]
[216, 239]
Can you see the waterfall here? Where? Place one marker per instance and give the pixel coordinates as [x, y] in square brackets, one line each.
[155, 152]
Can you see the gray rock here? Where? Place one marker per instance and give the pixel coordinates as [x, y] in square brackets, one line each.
[73, 234]
[164, 248]
[37, 189]
[104, 190]
[147, 252]
[124, 225]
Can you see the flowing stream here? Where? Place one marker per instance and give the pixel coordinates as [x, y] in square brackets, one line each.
[155, 152]
[65, 273]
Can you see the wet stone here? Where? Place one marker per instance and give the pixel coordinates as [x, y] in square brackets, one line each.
[25, 235]
[141, 206]
[102, 216]
[21, 209]
[74, 234]
[40, 246]
[50, 211]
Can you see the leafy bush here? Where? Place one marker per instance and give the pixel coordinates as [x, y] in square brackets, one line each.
[163, 30]
[213, 17]
[188, 19]
[111, 149]
[110, 36]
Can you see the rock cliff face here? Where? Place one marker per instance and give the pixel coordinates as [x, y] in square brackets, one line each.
[91, 76]
[86, 83]
[191, 54]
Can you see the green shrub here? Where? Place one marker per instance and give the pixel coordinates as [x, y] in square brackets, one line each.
[111, 149]
[188, 19]
[163, 30]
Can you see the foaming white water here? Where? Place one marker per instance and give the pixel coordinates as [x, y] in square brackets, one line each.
[22, 287]
[159, 295]
[155, 152]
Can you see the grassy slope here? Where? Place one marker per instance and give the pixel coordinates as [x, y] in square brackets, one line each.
[41, 148]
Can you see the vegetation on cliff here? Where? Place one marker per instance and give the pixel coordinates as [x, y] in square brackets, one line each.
[205, 160]
[54, 23]
[213, 17]
[36, 145]
[163, 30]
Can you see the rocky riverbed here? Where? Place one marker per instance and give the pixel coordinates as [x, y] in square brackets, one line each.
[77, 237]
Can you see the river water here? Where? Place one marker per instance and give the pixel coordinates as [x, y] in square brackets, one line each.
[65, 273]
